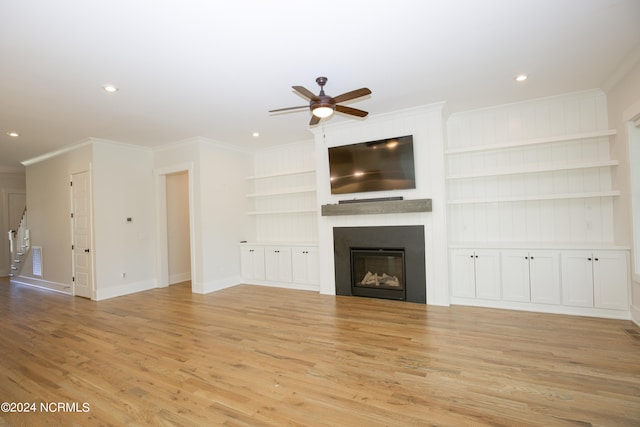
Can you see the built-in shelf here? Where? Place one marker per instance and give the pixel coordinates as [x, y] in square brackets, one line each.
[284, 211]
[273, 175]
[535, 169]
[284, 192]
[535, 197]
[377, 207]
[501, 146]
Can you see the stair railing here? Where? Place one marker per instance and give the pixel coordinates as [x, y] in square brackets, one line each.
[19, 244]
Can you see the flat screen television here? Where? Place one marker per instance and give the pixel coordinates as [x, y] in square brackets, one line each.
[385, 164]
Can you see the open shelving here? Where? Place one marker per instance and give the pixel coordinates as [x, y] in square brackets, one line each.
[535, 141]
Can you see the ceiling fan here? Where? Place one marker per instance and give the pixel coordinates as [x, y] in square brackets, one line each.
[322, 105]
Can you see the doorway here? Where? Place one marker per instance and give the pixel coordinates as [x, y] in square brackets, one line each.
[174, 209]
[178, 227]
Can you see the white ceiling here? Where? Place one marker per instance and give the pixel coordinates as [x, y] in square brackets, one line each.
[208, 68]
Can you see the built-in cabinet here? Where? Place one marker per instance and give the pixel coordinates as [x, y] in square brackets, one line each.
[534, 182]
[277, 264]
[292, 265]
[281, 248]
[305, 265]
[530, 276]
[252, 261]
[597, 280]
[476, 273]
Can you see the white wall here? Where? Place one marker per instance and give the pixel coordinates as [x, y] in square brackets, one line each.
[555, 221]
[178, 227]
[49, 207]
[10, 182]
[123, 188]
[425, 124]
[624, 103]
[218, 209]
[290, 227]
[222, 212]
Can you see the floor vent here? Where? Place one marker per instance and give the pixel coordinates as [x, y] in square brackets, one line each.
[36, 257]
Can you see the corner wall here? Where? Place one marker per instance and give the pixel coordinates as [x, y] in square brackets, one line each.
[123, 250]
[623, 103]
[49, 206]
[218, 209]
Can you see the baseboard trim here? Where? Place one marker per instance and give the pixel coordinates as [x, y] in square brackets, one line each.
[43, 284]
[179, 278]
[216, 285]
[121, 290]
[635, 314]
[544, 308]
[285, 285]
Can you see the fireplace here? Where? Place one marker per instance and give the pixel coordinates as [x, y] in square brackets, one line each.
[378, 273]
[381, 262]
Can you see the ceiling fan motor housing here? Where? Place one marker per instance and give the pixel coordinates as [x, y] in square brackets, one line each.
[323, 101]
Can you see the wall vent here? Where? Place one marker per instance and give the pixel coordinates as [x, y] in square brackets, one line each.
[36, 257]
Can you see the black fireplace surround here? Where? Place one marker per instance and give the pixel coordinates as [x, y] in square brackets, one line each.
[409, 239]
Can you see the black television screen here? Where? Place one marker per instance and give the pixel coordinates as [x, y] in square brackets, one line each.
[385, 164]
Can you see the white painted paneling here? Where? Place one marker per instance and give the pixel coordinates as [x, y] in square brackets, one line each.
[540, 191]
[283, 204]
[425, 124]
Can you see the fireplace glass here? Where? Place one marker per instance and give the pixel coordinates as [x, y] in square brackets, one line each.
[377, 268]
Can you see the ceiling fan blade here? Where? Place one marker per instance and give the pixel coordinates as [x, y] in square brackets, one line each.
[288, 108]
[352, 95]
[305, 92]
[352, 111]
[314, 120]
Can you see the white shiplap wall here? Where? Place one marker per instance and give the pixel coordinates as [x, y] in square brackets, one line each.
[425, 124]
[485, 199]
[289, 194]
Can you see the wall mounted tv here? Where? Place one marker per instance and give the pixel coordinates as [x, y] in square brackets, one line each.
[381, 165]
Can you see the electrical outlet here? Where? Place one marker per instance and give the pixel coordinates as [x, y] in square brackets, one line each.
[123, 275]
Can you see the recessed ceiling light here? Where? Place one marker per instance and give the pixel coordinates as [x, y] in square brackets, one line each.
[13, 134]
[256, 134]
[521, 78]
[110, 88]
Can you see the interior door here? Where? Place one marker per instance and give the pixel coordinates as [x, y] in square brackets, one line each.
[81, 228]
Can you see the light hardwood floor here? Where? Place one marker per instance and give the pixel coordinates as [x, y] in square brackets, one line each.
[255, 356]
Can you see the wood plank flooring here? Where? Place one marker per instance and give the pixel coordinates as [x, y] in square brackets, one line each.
[255, 356]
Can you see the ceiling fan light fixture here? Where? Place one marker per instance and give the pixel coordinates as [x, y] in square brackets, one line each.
[322, 111]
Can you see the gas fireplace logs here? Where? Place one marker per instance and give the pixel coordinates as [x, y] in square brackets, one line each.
[374, 279]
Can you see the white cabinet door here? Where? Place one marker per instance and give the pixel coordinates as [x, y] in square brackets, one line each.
[463, 282]
[252, 262]
[304, 264]
[611, 280]
[515, 275]
[278, 263]
[487, 264]
[577, 278]
[544, 276]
